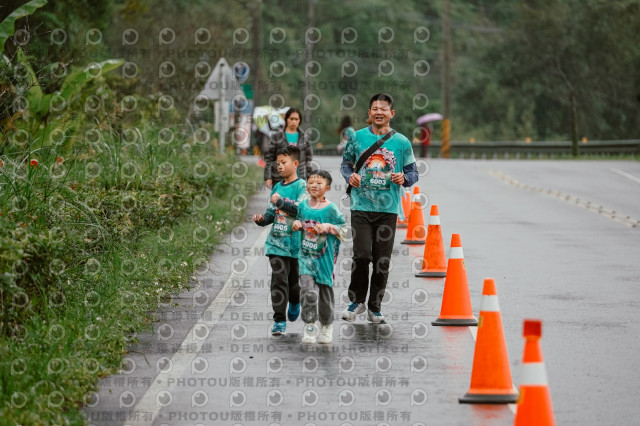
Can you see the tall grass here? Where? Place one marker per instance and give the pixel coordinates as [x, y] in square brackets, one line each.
[96, 227]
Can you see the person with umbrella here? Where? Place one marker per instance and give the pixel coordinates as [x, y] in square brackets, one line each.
[425, 131]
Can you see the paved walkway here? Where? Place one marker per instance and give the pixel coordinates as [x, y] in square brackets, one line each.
[212, 360]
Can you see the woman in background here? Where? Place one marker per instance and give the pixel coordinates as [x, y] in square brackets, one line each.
[290, 135]
[345, 130]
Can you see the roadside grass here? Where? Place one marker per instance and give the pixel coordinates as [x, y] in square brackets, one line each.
[88, 252]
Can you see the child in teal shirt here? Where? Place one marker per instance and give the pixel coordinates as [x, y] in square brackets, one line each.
[323, 227]
[283, 243]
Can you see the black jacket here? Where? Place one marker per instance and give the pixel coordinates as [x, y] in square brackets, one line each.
[278, 141]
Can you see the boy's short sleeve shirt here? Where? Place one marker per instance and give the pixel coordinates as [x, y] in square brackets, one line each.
[376, 192]
[282, 241]
[318, 252]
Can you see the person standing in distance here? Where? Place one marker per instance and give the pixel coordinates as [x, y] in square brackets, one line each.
[290, 135]
[375, 199]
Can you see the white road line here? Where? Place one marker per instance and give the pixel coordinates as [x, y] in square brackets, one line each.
[627, 175]
[181, 361]
[474, 333]
[601, 210]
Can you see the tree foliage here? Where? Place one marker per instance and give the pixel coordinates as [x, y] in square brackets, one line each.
[549, 54]
[520, 69]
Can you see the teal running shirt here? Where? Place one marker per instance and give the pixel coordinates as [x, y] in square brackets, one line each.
[292, 138]
[282, 241]
[376, 192]
[318, 252]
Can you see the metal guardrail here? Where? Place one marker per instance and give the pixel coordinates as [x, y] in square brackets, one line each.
[521, 149]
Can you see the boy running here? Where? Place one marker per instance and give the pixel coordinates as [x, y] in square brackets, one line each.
[283, 243]
[323, 227]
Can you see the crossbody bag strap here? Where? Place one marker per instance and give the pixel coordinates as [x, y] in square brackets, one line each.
[368, 153]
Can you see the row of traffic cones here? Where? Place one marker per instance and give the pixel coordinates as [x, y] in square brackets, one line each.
[491, 380]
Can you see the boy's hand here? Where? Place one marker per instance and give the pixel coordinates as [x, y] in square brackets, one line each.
[296, 225]
[354, 180]
[322, 228]
[258, 218]
[397, 178]
[268, 183]
[275, 198]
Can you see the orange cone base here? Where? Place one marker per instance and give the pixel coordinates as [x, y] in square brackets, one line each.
[486, 398]
[456, 321]
[413, 242]
[432, 274]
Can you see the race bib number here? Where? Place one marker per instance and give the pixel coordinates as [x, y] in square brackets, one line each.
[313, 244]
[377, 170]
[377, 180]
[282, 224]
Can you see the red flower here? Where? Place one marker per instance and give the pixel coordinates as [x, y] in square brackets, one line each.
[1, 163]
[34, 162]
[59, 159]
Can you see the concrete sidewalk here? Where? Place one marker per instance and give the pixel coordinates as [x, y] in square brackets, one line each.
[212, 359]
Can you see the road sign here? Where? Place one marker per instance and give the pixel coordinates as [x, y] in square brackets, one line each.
[241, 71]
[221, 83]
[222, 87]
[248, 90]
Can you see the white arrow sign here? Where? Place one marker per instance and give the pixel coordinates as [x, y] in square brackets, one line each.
[221, 83]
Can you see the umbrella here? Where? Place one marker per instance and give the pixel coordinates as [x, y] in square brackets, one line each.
[433, 116]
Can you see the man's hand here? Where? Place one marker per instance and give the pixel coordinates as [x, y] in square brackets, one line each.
[275, 198]
[269, 183]
[397, 178]
[258, 218]
[354, 180]
[296, 225]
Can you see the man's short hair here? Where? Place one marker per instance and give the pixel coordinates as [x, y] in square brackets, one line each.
[291, 151]
[381, 97]
[323, 174]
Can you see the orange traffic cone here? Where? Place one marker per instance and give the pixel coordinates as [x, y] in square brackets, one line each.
[491, 375]
[456, 302]
[406, 209]
[434, 262]
[534, 402]
[416, 231]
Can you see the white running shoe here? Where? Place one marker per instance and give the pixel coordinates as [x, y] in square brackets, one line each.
[352, 310]
[375, 317]
[326, 334]
[310, 333]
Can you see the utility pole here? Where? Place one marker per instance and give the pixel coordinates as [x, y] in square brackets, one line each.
[257, 47]
[222, 110]
[446, 71]
[308, 57]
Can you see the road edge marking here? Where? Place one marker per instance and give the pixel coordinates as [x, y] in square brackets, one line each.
[182, 361]
[621, 218]
[625, 174]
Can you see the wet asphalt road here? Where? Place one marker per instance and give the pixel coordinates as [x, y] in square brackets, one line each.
[544, 230]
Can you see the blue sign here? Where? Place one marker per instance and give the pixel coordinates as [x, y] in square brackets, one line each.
[241, 104]
[241, 71]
